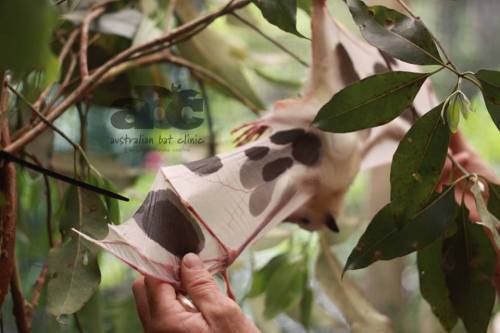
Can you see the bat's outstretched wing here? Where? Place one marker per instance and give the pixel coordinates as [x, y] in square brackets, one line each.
[216, 207]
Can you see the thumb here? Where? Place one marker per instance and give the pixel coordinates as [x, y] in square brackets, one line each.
[199, 283]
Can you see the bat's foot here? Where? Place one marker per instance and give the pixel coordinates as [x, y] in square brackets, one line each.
[249, 132]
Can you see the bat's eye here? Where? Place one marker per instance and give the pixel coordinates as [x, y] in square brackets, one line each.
[331, 223]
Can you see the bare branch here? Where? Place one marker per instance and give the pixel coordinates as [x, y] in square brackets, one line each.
[18, 302]
[8, 214]
[84, 39]
[87, 85]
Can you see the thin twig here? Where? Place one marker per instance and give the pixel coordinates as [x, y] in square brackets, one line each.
[272, 40]
[211, 134]
[84, 39]
[86, 86]
[18, 301]
[169, 16]
[458, 165]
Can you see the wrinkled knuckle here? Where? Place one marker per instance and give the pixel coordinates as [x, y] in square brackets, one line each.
[224, 310]
[202, 285]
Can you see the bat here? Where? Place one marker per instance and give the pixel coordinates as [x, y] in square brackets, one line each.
[282, 170]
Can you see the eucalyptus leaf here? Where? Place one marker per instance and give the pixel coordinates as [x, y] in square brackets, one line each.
[396, 34]
[284, 288]
[306, 306]
[417, 163]
[433, 285]
[453, 113]
[487, 219]
[112, 205]
[74, 274]
[490, 81]
[370, 102]
[261, 277]
[386, 239]
[469, 265]
[281, 13]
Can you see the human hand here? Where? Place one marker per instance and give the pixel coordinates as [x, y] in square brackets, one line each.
[467, 157]
[161, 312]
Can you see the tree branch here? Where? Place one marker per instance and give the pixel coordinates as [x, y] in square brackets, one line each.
[8, 214]
[18, 302]
[84, 38]
[88, 85]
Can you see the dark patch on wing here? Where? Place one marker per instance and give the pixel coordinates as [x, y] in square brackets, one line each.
[331, 223]
[307, 149]
[286, 137]
[380, 68]
[260, 198]
[256, 153]
[274, 169]
[347, 71]
[165, 220]
[205, 166]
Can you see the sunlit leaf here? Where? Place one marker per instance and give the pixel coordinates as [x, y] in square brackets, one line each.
[281, 13]
[385, 239]
[433, 285]
[490, 81]
[402, 37]
[73, 270]
[469, 265]
[370, 102]
[284, 287]
[418, 162]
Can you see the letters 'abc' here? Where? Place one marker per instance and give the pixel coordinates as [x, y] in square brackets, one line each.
[159, 107]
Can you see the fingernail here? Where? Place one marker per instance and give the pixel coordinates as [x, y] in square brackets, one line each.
[191, 260]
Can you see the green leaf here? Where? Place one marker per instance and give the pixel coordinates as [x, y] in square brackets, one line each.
[417, 163]
[494, 199]
[453, 112]
[433, 285]
[487, 219]
[74, 274]
[260, 278]
[394, 33]
[490, 80]
[469, 263]
[306, 306]
[284, 288]
[112, 205]
[281, 13]
[385, 239]
[28, 48]
[91, 315]
[370, 102]
[305, 5]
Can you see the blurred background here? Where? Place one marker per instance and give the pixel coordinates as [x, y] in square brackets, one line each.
[263, 74]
